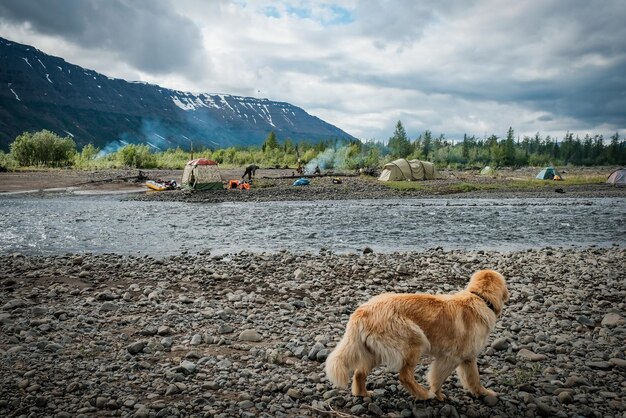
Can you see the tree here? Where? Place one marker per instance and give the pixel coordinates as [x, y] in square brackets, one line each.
[399, 143]
[427, 143]
[509, 148]
[270, 142]
[468, 144]
[613, 149]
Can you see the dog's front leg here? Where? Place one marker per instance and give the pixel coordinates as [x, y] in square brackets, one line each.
[470, 379]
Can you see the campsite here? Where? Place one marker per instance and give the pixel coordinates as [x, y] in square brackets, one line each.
[226, 302]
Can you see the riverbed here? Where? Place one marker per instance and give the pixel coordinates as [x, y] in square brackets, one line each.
[110, 224]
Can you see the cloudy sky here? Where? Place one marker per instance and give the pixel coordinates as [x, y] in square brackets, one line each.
[449, 66]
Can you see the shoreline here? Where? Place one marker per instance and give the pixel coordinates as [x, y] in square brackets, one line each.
[247, 334]
[274, 185]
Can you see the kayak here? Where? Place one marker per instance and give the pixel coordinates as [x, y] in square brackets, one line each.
[159, 187]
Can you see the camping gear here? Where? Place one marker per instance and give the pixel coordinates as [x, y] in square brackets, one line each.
[549, 173]
[301, 182]
[202, 174]
[239, 184]
[161, 185]
[488, 171]
[618, 177]
[337, 180]
[403, 169]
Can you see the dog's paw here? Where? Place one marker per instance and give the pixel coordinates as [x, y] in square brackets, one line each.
[431, 395]
[440, 396]
[488, 392]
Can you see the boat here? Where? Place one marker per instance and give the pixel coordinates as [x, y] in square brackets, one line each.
[160, 185]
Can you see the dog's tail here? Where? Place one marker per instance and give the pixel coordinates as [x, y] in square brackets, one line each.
[350, 354]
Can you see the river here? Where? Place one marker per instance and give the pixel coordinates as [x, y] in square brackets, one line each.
[109, 224]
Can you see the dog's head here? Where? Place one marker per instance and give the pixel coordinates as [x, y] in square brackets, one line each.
[491, 286]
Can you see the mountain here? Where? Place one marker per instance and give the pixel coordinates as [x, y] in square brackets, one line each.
[39, 91]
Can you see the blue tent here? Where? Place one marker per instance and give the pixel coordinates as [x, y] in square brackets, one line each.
[548, 173]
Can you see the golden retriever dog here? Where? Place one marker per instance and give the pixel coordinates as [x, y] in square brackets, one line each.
[398, 329]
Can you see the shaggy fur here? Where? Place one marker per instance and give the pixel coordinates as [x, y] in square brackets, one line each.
[398, 329]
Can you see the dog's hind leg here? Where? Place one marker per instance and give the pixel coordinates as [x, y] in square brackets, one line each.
[407, 377]
[470, 379]
[439, 371]
[358, 383]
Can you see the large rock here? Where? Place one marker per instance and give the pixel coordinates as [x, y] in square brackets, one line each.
[250, 335]
[613, 320]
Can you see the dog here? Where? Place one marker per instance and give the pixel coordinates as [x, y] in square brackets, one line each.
[398, 329]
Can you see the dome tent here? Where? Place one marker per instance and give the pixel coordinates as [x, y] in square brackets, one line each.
[202, 174]
[548, 173]
[403, 169]
[617, 177]
[488, 171]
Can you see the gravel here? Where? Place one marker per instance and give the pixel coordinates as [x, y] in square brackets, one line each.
[359, 188]
[246, 334]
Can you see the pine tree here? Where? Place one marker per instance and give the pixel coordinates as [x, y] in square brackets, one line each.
[270, 142]
[399, 143]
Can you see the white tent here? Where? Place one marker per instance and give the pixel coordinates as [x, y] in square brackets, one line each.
[618, 177]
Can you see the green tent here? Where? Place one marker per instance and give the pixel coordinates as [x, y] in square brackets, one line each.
[402, 169]
[548, 173]
[202, 174]
[488, 171]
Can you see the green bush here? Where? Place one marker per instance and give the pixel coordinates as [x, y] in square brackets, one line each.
[136, 156]
[85, 156]
[7, 163]
[43, 148]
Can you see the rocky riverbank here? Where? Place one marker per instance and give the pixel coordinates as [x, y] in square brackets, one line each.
[247, 334]
[273, 184]
[358, 188]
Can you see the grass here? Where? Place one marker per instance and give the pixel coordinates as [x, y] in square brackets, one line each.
[522, 375]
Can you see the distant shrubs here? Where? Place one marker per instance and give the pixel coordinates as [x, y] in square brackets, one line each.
[136, 156]
[43, 148]
[7, 162]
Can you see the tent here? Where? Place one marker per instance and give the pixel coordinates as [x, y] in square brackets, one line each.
[488, 171]
[202, 174]
[548, 173]
[403, 169]
[618, 177]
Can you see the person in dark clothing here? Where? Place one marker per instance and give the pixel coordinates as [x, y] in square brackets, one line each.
[250, 171]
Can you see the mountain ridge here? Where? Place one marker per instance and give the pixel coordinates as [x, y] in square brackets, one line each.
[41, 91]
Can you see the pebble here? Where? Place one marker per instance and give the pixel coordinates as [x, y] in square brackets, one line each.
[529, 355]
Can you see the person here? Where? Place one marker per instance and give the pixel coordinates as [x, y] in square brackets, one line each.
[250, 171]
[317, 170]
[300, 169]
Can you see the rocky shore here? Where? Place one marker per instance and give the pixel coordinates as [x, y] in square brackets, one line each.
[247, 334]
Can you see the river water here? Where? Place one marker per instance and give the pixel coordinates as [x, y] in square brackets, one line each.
[109, 224]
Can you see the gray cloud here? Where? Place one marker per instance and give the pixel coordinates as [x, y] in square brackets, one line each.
[147, 35]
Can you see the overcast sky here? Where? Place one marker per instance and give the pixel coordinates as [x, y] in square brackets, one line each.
[449, 66]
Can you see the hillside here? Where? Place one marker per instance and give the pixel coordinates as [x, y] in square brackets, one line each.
[39, 91]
